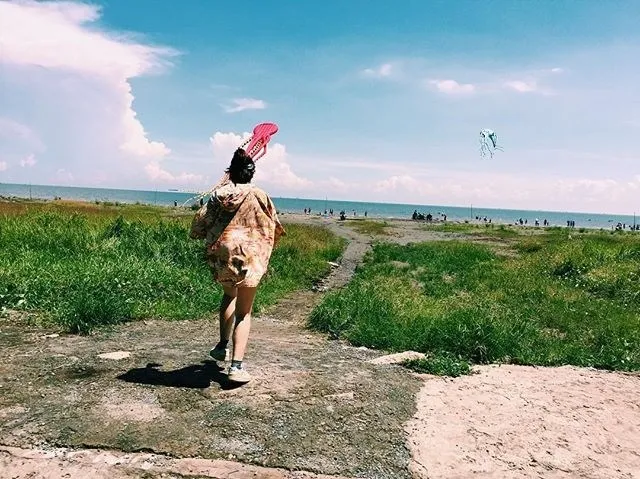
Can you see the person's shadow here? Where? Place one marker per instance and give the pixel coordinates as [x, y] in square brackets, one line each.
[196, 376]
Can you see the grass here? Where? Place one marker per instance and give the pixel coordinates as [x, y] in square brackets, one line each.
[84, 265]
[564, 299]
[369, 227]
[440, 365]
[489, 229]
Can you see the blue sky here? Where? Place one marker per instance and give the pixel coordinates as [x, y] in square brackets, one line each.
[376, 101]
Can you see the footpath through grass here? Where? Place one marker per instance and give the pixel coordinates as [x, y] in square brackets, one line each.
[83, 265]
[564, 299]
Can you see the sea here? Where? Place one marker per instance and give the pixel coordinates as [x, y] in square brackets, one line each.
[351, 208]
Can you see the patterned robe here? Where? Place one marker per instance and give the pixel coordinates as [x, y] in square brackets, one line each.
[240, 226]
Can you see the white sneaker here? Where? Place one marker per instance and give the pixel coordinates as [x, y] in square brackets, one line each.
[238, 375]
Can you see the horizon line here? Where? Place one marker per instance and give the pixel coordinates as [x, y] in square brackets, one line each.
[470, 205]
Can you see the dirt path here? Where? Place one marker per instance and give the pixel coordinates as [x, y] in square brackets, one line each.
[315, 406]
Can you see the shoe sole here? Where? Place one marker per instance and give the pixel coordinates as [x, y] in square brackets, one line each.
[238, 380]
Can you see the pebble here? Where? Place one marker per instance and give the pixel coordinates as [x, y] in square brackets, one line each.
[116, 355]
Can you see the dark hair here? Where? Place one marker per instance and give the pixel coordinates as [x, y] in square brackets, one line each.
[242, 167]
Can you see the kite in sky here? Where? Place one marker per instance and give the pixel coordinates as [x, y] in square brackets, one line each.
[488, 143]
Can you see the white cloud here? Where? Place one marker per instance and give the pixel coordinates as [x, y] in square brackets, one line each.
[29, 161]
[452, 87]
[159, 175]
[242, 104]
[406, 183]
[273, 169]
[4, 166]
[359, 164]
[336, 185]
[11, 129]
[384, 70]
[557, 70]
[56, 57]
[71, 41]
[495, 190]
[522, 86]
[63, 176]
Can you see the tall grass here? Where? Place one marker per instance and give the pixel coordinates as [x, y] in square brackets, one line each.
[561, 301]
[92, 268]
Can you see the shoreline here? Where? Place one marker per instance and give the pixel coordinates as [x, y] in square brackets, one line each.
[299, 216]
[195, 194]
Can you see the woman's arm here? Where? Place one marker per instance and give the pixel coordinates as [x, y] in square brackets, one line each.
[204, 218]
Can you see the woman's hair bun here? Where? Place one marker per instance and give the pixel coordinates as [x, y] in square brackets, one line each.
[242, 167]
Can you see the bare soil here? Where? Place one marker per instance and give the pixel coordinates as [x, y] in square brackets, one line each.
[316, 408]
[516, 422]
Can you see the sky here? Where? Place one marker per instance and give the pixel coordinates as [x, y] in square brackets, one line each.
[375, 100]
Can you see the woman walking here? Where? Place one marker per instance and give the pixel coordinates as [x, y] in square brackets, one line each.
[240, 226]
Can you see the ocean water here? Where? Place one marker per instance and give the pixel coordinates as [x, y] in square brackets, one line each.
[295, 205]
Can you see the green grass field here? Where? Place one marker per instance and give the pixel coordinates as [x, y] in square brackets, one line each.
[82, 265]
[561, 298]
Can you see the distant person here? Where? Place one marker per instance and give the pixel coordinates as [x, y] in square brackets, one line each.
[201, 202]
[175, 204]
[414, 216]
[240, 227]
[365, 214]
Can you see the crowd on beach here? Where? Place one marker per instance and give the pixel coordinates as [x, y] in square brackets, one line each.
[416, 216]
[520, 222]
[624, 226]
[428, 217]
[330, 212]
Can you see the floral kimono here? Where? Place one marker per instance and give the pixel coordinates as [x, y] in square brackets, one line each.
[240, 226]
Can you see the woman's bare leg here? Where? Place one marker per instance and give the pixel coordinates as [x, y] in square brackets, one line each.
[227, 312]
[244, 305]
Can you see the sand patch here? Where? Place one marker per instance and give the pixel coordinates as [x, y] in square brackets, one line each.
[521, 422]
[397, 358]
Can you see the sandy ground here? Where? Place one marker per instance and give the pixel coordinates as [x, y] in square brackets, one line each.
[316, 407]
[524, 422]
